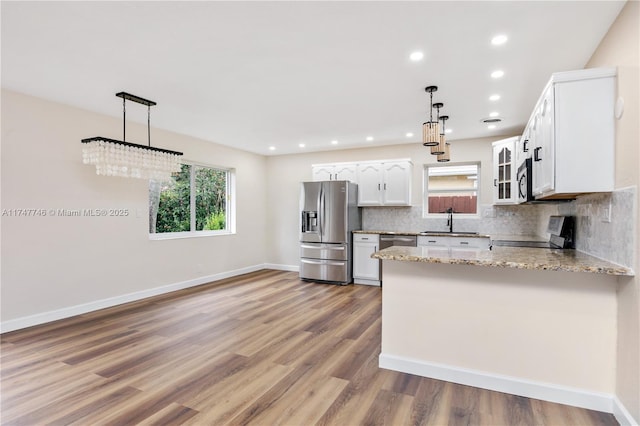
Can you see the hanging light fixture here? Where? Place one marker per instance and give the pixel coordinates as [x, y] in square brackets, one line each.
[447, 154]
[439, 148]
[430, 129]
[120, 158]
[444, 146]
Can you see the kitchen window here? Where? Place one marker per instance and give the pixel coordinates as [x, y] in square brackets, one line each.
[195, 202]
[451, 186]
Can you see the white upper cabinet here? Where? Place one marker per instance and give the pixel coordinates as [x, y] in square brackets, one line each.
[543, 170]
[385, 183]
[336, 171]
[504, 171]
[572, 136]
[369, 184]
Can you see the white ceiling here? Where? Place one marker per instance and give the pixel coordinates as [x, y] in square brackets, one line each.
[257, 74]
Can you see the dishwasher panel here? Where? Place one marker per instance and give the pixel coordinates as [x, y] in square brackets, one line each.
[398, 240]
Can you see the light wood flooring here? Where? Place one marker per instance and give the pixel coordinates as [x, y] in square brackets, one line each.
[259, 349]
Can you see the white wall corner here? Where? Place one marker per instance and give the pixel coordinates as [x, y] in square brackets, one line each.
[622, 415]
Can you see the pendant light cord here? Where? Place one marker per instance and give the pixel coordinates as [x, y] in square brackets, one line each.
[124, 120]
[431, 107]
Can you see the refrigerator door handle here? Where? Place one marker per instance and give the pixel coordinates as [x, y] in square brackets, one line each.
[321, 262]
[316, 246]
[322, 214]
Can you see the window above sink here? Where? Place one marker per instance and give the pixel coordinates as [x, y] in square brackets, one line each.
[453, 186]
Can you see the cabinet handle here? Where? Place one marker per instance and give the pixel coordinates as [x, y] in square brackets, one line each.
[536, 155]
[385, 186]
[525, 148]
[432, 241]
[495, 182]
[365, 239]
[378, 187]
[464, 242]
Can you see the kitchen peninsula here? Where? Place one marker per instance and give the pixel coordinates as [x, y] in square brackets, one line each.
[533, 322]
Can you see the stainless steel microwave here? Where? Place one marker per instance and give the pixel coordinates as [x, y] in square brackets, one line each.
[525, 181]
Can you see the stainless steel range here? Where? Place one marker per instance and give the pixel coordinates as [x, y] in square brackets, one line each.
[562, 235]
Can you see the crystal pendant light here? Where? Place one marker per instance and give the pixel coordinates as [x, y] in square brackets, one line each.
[431, 129]
[119, 158]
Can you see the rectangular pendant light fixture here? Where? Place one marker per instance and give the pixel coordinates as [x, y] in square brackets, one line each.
[120, 158]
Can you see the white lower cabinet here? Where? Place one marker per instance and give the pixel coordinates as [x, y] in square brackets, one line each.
[454, 242]
[365, 269]
[427, 241]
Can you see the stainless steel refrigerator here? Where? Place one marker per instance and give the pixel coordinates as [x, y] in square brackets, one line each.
[328, 215]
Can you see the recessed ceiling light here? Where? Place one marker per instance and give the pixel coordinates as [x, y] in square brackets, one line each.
[494, 97]
[448, 130]
[494, 114]
[499, 39]
[369, 138]
[272, 148]
[491, 126]
[497, 74]
[334, 142]
[409, 135]
[416, 56]
[301, 145]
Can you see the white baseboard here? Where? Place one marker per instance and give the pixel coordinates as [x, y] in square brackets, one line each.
[507, 384]
[292, 268]
[621, 414]
[70, 311]
[366, 282]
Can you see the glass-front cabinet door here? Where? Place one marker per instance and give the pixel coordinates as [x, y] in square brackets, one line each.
[504, 171]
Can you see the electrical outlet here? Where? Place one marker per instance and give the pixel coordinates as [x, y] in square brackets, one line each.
[490, 212]
[606, 213]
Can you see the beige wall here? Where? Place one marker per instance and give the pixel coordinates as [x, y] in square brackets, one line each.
[620, 48]
[538, 326]
[51, 263]
[287, 171]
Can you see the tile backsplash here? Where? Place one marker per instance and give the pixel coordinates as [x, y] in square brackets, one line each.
[613, 241]
[497, 220]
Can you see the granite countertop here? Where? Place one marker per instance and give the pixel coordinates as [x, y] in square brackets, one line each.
[507, 257]
[431, 234]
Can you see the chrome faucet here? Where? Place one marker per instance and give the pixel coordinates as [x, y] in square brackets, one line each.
[450, 219]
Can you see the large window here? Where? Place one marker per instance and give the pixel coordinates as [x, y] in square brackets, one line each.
[196, 201]
[453, 186]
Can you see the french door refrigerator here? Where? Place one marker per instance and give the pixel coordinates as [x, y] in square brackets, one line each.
[328, 215]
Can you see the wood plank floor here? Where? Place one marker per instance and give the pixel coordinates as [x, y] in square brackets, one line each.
[259, 349]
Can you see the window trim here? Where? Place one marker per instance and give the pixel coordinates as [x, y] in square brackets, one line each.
[425, 191]
[230, 214]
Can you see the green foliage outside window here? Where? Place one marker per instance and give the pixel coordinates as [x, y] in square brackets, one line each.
[170, 202]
